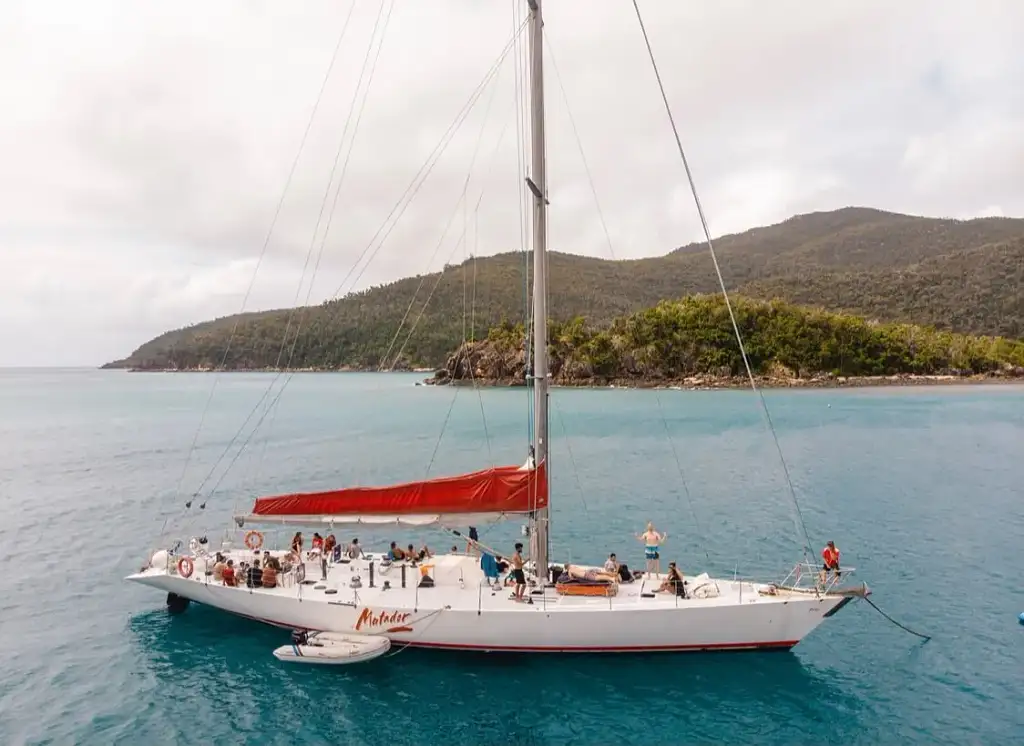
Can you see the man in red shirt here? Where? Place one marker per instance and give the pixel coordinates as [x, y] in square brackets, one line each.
[830, 557]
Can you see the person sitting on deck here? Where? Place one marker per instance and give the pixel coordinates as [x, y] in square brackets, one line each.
[269, 577]
[673, 582]
[229, 573]
[218, 568]
[318, 543]
[395, 554]
[254, 575]
[329, 543]
[419, 556]
[830, 558]
[297, 543]
[355, 551]
[611, 564]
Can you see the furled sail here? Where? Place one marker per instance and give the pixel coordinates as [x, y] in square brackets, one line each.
[458, 500]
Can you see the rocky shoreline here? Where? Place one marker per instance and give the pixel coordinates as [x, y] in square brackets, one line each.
[494, 363]
[689, 383]
[459, 373]
[269, 369]
[711, 383]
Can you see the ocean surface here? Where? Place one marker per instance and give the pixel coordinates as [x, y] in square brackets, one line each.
[921, 488]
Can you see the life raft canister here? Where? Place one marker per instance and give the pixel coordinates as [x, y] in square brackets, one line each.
[254, 540]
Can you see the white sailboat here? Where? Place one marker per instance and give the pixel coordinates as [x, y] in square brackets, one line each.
[448, 601]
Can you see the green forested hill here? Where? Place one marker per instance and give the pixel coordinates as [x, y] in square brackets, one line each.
[678, 340]
[959, 275]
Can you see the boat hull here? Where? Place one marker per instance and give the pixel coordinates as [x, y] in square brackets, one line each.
[465, 616]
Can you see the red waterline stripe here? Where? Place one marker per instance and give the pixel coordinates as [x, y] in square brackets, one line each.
[780, 644]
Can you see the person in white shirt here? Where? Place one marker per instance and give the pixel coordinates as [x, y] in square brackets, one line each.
[611, 564]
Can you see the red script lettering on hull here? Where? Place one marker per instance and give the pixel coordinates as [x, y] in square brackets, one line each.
[368, 620]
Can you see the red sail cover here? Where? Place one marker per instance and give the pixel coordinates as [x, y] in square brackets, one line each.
[503, 489]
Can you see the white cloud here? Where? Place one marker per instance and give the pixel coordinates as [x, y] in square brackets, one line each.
[145, 145]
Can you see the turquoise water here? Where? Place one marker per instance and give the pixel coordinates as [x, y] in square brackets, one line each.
[920, 488]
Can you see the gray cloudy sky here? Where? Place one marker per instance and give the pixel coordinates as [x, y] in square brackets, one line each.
[144, 144]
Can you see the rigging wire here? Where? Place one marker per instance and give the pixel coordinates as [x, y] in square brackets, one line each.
[801, 526]
[451, 219]
[263, 249]
[682, 477]
[301, 308]
[440, 275]
[611, 252]
[522, 102]
[337, 192]
[476, 209]
[294, 310]
[414, 187]
[421, 176]
[579, 144]
[572, 458]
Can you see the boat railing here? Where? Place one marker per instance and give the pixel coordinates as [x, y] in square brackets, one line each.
[808, 576]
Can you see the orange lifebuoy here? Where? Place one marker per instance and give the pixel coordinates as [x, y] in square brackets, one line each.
[254, 540]
[185, 567]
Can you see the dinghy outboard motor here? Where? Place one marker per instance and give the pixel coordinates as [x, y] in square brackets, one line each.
[299, 637]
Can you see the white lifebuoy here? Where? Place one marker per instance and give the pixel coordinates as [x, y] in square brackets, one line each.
[254, 540]
[185, 567]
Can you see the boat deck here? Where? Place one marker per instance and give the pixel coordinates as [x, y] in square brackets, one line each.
[459, 583]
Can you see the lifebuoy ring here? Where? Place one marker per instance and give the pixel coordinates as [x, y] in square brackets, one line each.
[254, 540]
[300, 572]
[185, 567]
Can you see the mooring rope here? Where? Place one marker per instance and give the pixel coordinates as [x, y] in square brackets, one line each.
[926, 638]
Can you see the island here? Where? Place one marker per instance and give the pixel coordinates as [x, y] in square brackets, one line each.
[691, 343]
[957, 276]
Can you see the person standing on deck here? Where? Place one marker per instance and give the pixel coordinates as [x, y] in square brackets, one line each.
[517, 572]
[652, 541]
[830, 559]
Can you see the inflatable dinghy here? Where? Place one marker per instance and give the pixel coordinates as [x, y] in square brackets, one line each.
[332, 648]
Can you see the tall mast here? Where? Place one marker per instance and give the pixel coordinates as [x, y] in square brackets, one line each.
[538, 183]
